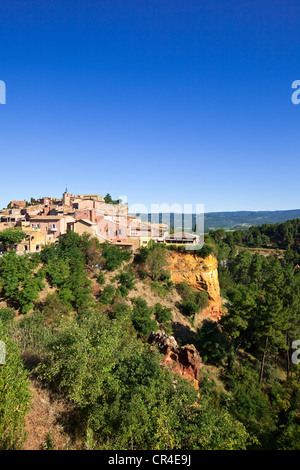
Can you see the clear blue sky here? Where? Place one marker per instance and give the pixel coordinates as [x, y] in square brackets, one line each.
[164, 101]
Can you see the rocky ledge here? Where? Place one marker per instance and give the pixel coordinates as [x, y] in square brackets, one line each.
[185, 360]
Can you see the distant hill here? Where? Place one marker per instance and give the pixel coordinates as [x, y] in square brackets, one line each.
[230, 220]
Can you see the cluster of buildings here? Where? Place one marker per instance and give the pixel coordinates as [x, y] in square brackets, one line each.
[46, 219]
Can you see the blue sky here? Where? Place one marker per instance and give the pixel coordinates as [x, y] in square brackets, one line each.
[162, 101]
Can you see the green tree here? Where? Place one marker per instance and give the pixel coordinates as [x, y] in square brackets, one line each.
[15, 395]
[11, 236]
[156, 261]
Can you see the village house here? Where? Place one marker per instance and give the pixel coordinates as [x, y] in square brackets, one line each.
[17, 204]
[180, 238]
[55, 225]
[14, 216]
[82, 226]
[48, 218]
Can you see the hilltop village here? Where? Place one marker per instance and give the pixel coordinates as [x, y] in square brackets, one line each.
[45, 220]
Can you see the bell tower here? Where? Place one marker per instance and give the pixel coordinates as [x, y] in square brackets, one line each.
[66, 198]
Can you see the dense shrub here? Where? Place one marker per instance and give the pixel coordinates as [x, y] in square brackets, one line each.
[54, 309]
[20, 281]
[205, 251]
[15, 395]
[189, 308]
[108, 294]
[6, 315]
[141, 318]
[188, 294]
[162, 314]
[124, 398]
[126, 279]
[114, 256]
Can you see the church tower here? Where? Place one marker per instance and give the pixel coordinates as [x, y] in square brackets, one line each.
[66, 198]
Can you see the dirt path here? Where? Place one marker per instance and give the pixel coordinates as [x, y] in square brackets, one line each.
[45, 422]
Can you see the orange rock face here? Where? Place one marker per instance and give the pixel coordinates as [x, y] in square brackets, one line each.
[185, 360]
[202, 274]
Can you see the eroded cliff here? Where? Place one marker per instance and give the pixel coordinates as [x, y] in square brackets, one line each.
[184, 360]
[200, 273]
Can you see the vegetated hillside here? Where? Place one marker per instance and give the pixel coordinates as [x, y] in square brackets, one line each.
[284, 237]
[126, 357]
[229, 220]
[244, 219]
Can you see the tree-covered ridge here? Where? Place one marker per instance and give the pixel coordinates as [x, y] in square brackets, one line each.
[280, 235]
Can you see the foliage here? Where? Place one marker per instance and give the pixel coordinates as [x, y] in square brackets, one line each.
[162, 289]
[6, 315]
[141, 318]
[15, 395]
[250, 405]
[188, 294]
[189, 308]
[156, 261]
[114, 256]
[65, 267]
[101, 278]
[162, 314]
[108, 199]
[212, 344]
[126, 279]
[108, 294]
[11, 236]
[126, 400]
[54, 309]
[205, 251]
[20, 280]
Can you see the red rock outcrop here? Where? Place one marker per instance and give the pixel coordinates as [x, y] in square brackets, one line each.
[184, 360]
[200, 273]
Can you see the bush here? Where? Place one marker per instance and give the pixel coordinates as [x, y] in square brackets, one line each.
[122, 291]
[205, 251]
[124, 398]
[126, 279]
[189, 308]
[15, 396]
[212, 344]
[202, 299]
[162, 289]
[31, 334]
[114, 256]
[53, 308]
[188, 294]
[6, 315]
[141, 318]
[156, 262]
[162, 314]
[101, 278]
[108, 294]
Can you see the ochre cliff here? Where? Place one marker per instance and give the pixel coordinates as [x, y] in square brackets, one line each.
[200, 273]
